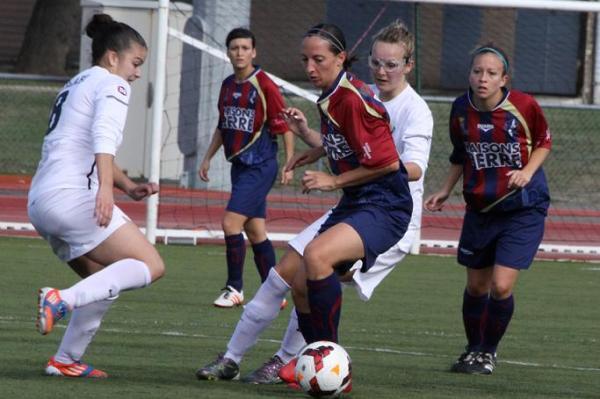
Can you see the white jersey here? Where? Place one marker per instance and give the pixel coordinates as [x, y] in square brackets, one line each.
[88, 118]
[412, 131]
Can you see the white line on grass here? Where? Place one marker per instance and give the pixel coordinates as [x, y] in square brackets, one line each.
[7, 319]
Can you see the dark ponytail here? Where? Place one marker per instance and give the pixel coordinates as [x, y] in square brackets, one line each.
[108, 34]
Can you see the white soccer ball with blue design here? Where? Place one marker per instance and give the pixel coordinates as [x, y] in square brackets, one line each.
[324, 369]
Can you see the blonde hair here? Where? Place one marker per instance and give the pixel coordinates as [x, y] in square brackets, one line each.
[397, 33]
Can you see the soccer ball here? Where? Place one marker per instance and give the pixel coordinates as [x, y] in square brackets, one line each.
[323, 369]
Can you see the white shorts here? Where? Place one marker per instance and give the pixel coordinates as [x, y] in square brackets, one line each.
[365, 283]
[65, 218]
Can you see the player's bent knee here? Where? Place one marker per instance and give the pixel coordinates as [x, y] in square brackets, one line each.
[478, 289]
[318, 265]
[256, 237]
[232, 225]
[314, 257]
[501, 291]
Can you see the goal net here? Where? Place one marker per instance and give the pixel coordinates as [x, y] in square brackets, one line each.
[552, 48]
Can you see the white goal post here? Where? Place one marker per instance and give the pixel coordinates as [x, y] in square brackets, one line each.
[165, 31]
[555, 5]
[157, 116]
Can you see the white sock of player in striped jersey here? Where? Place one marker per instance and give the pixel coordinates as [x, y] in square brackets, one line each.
[293, 340]
[258, 315]
[123, 275]
[83, 324]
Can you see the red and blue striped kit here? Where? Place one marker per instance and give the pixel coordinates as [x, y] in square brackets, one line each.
[489, 144]
[249, 118]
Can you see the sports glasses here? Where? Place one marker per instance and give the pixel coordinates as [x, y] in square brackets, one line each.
[387, 65]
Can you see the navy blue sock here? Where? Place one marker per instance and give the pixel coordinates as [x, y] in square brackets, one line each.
[473, 312]
[325, 300]
[264, 257]
[236, 254]
[499, 314]
[305, 326]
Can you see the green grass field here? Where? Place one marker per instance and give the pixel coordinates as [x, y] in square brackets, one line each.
[401, 342]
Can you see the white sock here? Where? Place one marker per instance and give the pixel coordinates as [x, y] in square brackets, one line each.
[123, 275]
[83, 324]
[258, 315]
[293, 340]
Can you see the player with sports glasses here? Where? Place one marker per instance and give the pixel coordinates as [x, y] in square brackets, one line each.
[250, 106]
[71, 201]
[500, 140]
[390, 62]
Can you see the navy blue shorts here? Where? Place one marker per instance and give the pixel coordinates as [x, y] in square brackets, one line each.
[250, 185]
[509, 239]
[379, 228]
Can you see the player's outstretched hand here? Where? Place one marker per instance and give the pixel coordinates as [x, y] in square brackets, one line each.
[435, 202]
[315, 180]
[104, 206]
[143, 190]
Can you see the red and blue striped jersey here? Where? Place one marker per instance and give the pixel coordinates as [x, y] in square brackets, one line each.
[355, 128]
[489, 144]
[250, 117]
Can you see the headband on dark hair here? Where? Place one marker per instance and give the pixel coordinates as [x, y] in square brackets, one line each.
[330, 37]
[482, 50]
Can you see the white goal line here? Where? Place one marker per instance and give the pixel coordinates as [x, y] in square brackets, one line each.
[200, 45]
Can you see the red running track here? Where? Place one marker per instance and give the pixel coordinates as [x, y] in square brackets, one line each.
[203, 210]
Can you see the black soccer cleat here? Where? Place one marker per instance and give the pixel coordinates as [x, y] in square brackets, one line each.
[466, 363]
[221, 368]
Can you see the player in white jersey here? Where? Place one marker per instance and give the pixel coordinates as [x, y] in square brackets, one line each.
[71, 200]
[390, 62]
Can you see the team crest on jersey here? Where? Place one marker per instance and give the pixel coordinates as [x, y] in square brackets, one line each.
[122, 90]
[511, 127]
[237, 95]
[336, 146]
[252, 97]
[485, 127]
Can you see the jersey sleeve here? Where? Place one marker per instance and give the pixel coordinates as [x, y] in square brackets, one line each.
[459, 154]
[418, 133]
[542, 138]
[275, 106]
[110, 113]
[368, 133]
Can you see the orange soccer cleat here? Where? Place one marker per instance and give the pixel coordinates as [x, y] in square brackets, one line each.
[51, 308]
[75, 369]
